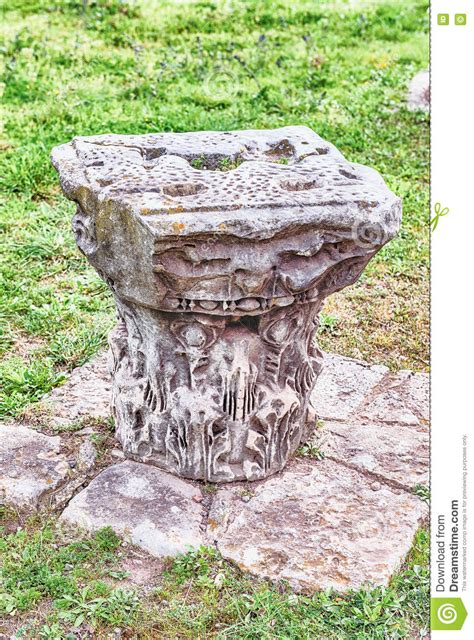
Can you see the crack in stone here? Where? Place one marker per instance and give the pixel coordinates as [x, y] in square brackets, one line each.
[394, 484]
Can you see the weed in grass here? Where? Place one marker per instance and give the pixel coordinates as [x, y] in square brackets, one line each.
[51, 631]
[41, 563]
[413, 583]
[98, 604]
[34, 565]
[204, 595]
[328, 324]
[25, 383]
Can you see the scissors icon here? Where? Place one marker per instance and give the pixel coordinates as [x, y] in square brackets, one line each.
[439, 213]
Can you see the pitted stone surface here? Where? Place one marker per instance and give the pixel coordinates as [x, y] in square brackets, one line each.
[317, 525]
[152, 176]
[154, 510]
[31, 465]
[137, 206]
[393, 453]
[343, 386]
[218, 278]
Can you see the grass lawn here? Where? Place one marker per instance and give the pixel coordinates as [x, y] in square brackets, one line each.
[53, 585]
[78, 67]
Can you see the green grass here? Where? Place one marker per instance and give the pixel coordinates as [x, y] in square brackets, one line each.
[38, 563]
[60, 582]
[71, 67]
[54, 584]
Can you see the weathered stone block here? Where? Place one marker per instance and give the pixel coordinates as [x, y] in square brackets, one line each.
[318, 525]
[218, 278]
[344, 385]
[393, 453]
[85, 394]
[152, 509]
[31, 465]
[405, 400]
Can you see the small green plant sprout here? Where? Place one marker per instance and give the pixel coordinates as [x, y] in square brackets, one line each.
[99, 440]
[422, 492]
[327, 323]
[209, 488]
[226, 164]
[311, 450]
[246, 493]
[51, 632]
[116, 606]
[198, 163]
[283, 160]
[196, 563]
[440, 212]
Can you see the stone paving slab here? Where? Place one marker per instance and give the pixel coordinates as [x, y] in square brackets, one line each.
[317, 525]
[403, 399]
[31, 465]
[343, 386]
[416, 388]
[153, 509]
[393, 453]
[85, 394]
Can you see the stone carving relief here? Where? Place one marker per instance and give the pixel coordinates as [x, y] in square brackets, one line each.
[219, 278]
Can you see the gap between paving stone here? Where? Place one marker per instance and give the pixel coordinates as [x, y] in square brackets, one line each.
[374, 476]
[35, 472]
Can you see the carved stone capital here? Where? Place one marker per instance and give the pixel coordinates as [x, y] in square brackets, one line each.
[218, 278]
